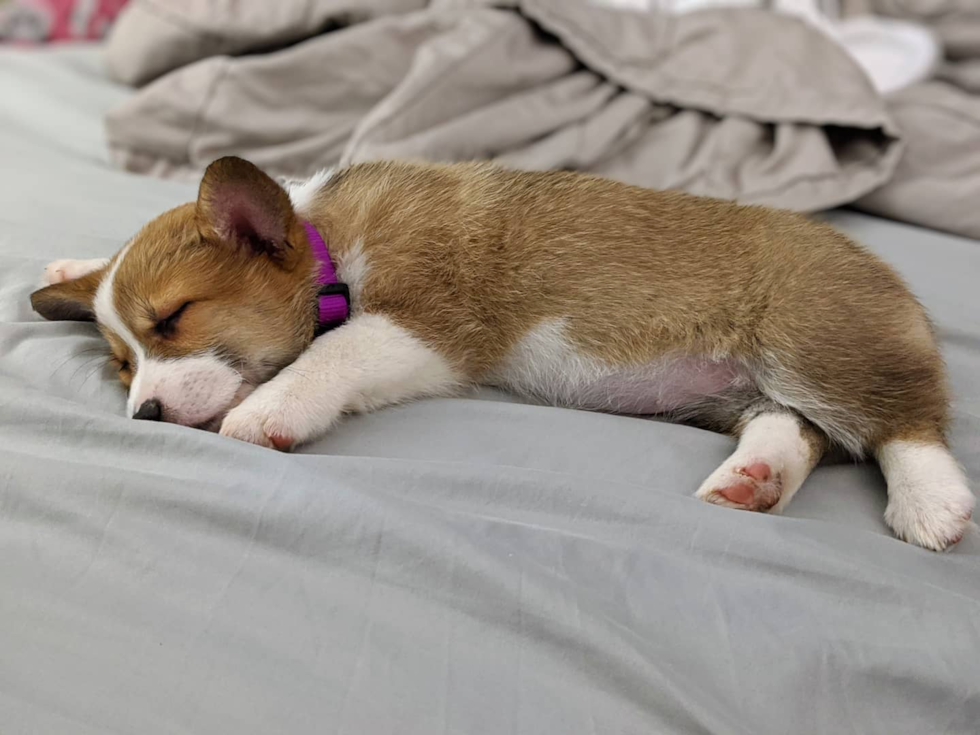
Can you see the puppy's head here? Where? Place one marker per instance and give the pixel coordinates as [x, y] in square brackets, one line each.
[205, 302]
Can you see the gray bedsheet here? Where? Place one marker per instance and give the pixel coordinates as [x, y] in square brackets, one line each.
[475, 565]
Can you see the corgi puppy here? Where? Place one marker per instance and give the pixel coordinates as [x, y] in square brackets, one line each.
[266, 312]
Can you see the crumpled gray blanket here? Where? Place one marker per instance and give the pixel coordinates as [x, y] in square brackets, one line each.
[734, 103]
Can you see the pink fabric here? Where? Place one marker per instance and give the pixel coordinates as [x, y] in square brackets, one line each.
[39, 21]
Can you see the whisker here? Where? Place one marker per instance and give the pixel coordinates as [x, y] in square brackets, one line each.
[98, 350]
[99, 363]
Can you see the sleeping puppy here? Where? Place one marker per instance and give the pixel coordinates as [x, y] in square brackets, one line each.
[268, 312]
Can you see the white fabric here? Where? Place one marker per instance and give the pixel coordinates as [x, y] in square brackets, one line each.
[894, 54]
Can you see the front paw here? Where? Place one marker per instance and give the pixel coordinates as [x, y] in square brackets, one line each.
[257, 425]
[60, 271]
[271, 418]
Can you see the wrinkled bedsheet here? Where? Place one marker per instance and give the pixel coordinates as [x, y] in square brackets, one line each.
[732, 102]
[655, 99]
[475, 565]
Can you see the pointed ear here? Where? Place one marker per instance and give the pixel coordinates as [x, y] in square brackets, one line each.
[238, 203]
[70, 300]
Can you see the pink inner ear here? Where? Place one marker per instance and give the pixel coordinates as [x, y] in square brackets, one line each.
[243, 214]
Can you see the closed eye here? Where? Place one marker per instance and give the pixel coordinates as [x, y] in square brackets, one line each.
[121, 364]
[168, 325]
[125, 374]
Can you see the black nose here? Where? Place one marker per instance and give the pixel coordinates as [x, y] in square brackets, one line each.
[151, 410]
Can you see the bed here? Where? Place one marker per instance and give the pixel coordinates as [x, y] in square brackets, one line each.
[473, 565]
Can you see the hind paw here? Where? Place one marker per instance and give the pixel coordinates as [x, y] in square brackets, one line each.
[751, 485]
[934, 520]
[929, 502]
[771, 461]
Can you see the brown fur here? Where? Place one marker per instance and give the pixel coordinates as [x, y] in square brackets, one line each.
[69, 300]
[470, 257]
[255, 311]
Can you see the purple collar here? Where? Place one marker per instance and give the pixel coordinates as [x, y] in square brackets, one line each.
[333, 297]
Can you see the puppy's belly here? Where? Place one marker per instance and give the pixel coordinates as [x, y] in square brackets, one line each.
[658, 388]
[546, 366]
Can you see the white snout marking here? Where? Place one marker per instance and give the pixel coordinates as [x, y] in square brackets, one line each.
[106, 315]
[192, 390]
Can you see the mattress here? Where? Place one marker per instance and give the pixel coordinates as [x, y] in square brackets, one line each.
[469, 565]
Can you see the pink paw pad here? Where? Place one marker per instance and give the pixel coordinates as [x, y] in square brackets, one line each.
[757, 471]
[758, 490]
[959, 536]
[743, 493]
[280, 442]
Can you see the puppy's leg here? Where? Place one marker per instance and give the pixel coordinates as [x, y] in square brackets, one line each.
[929, 502]
[60, 271]
[365, 364]
[776, 451]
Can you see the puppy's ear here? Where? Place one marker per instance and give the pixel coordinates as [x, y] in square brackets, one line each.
[69, 300]
[240, 204]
